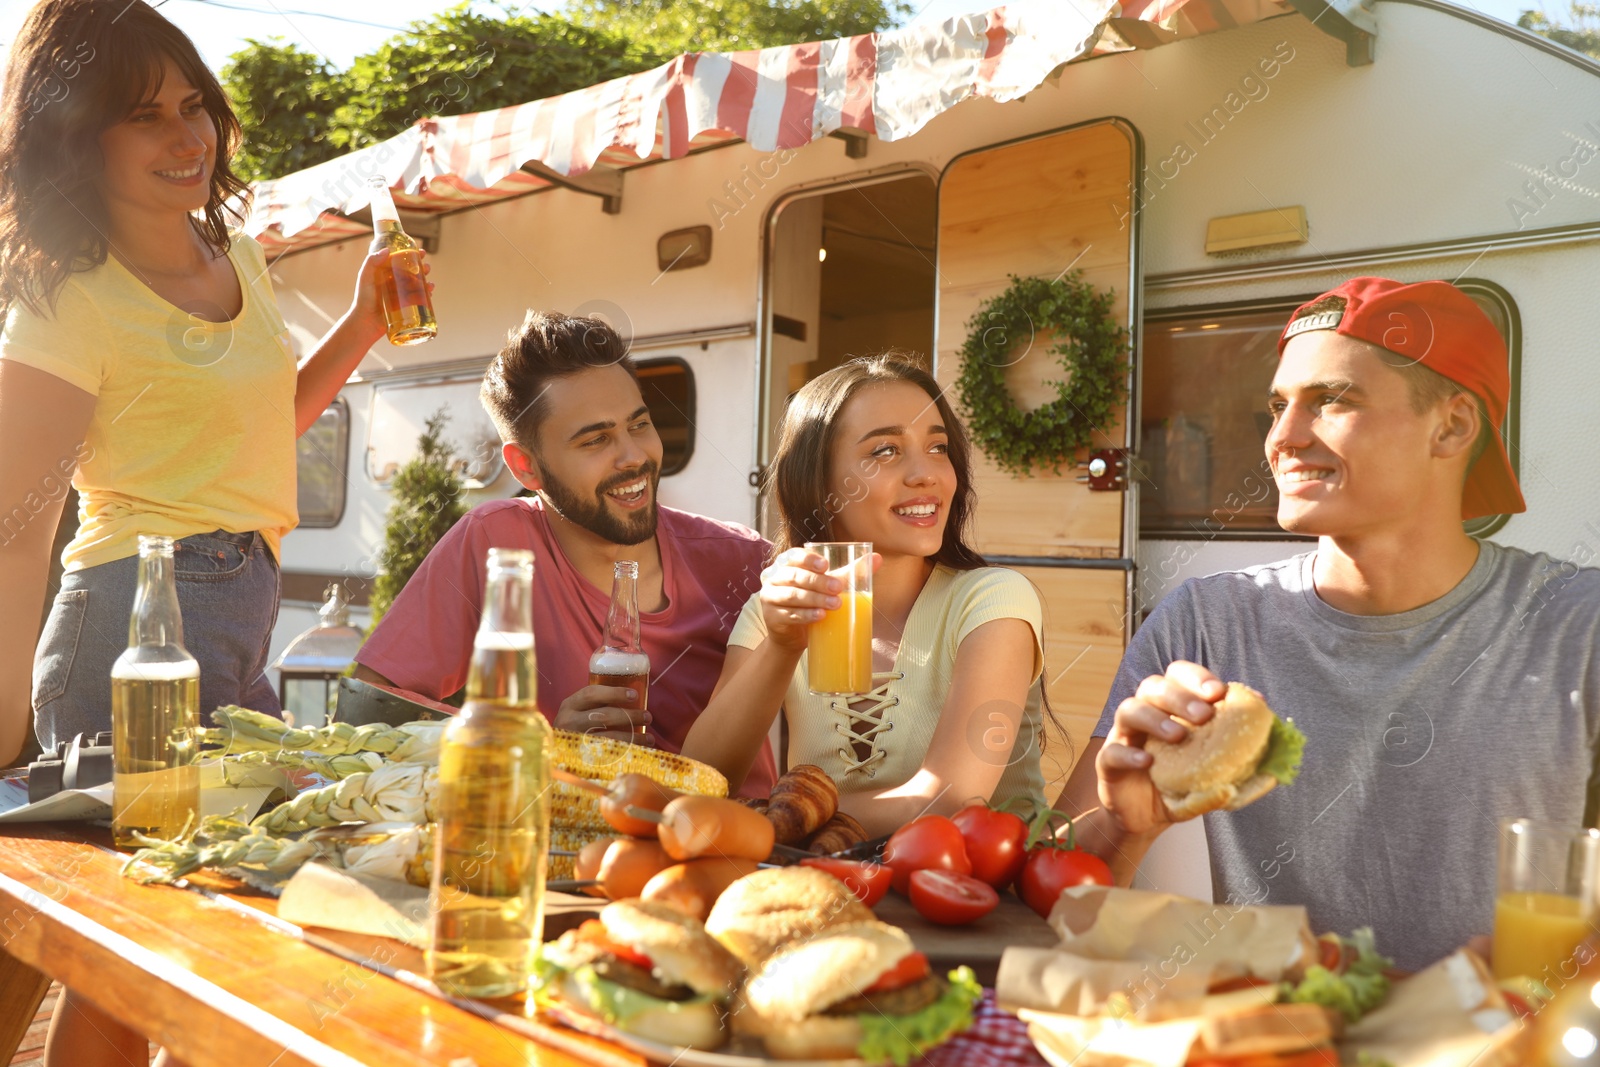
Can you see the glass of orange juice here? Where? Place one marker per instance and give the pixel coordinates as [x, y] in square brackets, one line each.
[839, 654]
[1549, 896]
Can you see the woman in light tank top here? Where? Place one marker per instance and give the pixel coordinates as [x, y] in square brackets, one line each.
[871, 451]
[143, 358]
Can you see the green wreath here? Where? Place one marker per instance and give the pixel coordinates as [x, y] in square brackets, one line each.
[1092, 346]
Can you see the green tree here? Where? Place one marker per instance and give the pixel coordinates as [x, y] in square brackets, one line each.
[296, 111]
[675, 26]
[285, 98]
[1579, 30]
[460, 61]
[426, 495]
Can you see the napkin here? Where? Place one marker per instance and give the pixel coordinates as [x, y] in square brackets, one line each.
[319, 895]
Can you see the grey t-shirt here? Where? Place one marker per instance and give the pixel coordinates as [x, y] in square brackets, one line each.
[1423, 730]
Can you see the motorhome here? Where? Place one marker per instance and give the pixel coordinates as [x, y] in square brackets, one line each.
[750, 219]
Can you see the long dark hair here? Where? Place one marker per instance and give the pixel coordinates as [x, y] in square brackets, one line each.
[799, 475]
[77, 68]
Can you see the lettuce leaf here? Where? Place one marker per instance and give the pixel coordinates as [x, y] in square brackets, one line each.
[1286, 747]
[1361, 988]
[905, 1037]
[612, 1002]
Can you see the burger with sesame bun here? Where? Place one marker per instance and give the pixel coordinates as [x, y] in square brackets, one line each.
[854, 991]
[645, 969]
[1236, 757]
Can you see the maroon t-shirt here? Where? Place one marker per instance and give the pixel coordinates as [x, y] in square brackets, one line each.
[709, 569]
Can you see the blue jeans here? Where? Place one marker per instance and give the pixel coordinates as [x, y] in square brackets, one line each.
[228, 596]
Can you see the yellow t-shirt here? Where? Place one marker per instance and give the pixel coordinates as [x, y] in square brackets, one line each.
[898, 719]
[193, 426]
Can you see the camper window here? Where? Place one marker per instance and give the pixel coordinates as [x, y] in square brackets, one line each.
[321, 456]
[1203, 423]
[668, 388]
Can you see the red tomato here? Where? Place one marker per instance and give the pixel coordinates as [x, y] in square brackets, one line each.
[924, 842]
[911, 968]
[1051, 869]
[868, 881]
[951, 899]
[997, 843]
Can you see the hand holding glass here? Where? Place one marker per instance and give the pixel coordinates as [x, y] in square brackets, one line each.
[839, 652]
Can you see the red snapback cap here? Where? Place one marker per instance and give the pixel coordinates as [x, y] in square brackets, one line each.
[1437, 325]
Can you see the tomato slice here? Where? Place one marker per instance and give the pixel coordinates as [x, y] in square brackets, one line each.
[912, 968]
[868, 881]
[951, 899]
[594, 932]
[1330, 953]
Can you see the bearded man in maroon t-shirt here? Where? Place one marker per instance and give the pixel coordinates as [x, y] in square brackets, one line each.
[575, 429]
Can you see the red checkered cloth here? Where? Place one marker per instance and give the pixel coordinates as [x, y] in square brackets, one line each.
[997, 1039]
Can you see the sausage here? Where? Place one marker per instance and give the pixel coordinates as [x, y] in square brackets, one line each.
[701, 826]
[586, 864]
[636, 790]
[629, 863]
[694, 886]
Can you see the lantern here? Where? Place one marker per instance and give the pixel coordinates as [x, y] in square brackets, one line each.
[310, 668]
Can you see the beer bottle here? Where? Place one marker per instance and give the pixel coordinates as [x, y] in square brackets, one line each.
[621, 659]
[493, 810]
[155, 711]
[407, 308]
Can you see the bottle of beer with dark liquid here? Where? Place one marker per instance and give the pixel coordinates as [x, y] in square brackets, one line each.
[621, 659]
[407, 308]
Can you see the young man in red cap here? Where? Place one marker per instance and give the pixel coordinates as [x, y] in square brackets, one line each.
[1443, 683]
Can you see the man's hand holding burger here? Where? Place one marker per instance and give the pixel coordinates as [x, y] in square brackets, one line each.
[1159, 708]
[1184, 744]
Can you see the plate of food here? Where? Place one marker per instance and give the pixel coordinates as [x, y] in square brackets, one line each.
[789, 967]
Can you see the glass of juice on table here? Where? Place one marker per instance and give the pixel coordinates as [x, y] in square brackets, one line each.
[1549, 889]
[839, 655]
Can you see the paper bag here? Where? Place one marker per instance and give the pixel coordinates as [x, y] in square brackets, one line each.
[1178, 934]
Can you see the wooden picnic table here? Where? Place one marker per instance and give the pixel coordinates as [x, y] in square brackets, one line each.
[218, 984]
[219, 980]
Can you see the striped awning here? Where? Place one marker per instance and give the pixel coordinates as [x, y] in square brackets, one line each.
[886, 85]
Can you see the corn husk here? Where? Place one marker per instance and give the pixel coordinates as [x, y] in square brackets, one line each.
[242, 730]
[395, 792]
[397, 852]
[330, 767]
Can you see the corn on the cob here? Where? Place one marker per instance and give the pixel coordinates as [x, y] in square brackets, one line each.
[242, 730]
[395, 792]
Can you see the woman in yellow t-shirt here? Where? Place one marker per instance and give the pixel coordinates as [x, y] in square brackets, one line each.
[871, 451]
[144, 358]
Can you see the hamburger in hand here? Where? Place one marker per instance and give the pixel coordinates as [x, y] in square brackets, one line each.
[645, 969]
[858, 990]
[1235, 758]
